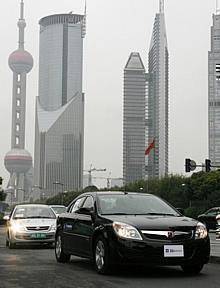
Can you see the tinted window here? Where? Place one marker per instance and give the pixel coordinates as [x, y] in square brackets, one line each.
[77, 204]
[89, 203]
[134, 204]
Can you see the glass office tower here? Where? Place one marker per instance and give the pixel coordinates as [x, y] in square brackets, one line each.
[134, 119]
[214, 92]
[59, 130]
[158, 68]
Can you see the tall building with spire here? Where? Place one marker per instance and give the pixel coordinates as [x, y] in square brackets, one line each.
[59, 131]
[158, 73]
[18, 161]
[134, 119]
[214, 90]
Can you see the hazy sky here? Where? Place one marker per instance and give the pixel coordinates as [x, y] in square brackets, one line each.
[115, 28]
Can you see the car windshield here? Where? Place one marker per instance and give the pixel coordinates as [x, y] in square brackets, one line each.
[59, 210]
[26, 212]
[134, 204]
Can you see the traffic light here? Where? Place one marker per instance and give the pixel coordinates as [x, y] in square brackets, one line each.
[190, 165]
[207, 165]
[1, 180]
[187, 165]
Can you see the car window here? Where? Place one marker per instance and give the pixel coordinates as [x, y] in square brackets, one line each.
[28, 212]
[89, 203]
[58, 210]
[211, 212]
[77, 204]
[134, 204]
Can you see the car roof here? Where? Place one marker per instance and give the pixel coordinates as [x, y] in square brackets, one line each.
[114, 193]
[31, 205]
[56, 206]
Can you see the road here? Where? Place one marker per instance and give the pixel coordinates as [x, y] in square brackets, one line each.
[36, 267]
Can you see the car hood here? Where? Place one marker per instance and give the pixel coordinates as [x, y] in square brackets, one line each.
[35, 222]
[155, 222]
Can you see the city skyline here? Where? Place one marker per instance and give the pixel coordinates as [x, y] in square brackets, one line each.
[189, 43]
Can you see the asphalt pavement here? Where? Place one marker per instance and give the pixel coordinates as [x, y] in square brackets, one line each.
[27, 267]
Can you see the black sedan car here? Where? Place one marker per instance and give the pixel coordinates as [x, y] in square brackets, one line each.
[136, 228]
[209, 218]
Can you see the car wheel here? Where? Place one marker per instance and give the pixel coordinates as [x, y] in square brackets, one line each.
[101, 256]
[192, 269]
[60, 255]
[7, 242]
[11, 245]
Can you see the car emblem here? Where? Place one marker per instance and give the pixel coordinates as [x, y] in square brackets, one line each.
[170, 234]
[37, 228]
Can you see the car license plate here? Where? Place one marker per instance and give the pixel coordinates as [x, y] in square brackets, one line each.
[38, 235]
[173, 251]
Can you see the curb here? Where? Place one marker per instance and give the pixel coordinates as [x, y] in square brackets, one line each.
[214, 259]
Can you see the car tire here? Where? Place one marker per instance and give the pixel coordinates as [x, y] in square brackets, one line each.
[11, 245]
[192, 269]
[101, 255]
[59, 253]
[6, 242]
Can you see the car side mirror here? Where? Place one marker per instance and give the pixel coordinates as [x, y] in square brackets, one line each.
[6, 217]
[84, 210]
[180, 210]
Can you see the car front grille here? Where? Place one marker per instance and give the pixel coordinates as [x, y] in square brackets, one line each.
[168, 235]
[37, 228]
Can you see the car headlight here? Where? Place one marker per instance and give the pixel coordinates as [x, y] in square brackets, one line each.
[201, 231]
[53, 228]
[16, 227]
[124, 230]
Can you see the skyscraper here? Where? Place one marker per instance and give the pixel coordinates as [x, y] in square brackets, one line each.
[59, 130]
[214, 91]
[18, 161]
[134, 119]
[158, 68]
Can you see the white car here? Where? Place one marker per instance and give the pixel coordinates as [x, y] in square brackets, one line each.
[218, 227]
[58, 209]
[29, 224]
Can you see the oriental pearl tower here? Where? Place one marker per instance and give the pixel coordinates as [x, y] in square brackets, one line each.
[18, 161]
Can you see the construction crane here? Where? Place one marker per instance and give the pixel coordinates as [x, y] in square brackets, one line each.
[93, 169]
[108, 179]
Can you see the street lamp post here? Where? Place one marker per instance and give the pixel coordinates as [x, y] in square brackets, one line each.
[61, 184]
